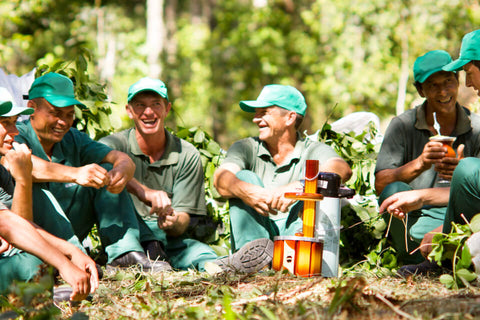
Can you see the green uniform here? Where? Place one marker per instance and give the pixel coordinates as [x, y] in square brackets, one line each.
[464, 193]
[14, 264]
[84, 206]
[179, 173]
[257, 167]
[404, 141]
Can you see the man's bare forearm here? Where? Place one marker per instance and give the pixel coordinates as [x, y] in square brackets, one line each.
[405, 173]
[46, 171]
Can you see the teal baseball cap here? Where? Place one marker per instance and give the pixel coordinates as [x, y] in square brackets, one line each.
[8, 108]
[470, 50]
[147, 84]
[430, 63]
[286, 97]
[56, 89]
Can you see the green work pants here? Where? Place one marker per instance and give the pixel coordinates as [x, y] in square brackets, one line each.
[183, 252]
[19, 266]
[48, 214]
[419, 223]
[464, 193]
[247, 225]
[114, 215]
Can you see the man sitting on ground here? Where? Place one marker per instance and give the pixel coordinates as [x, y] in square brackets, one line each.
[258, 171]
[73, 265]
[86, 177]
[168, 184]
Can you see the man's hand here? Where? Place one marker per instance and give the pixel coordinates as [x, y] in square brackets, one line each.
[91, 175]
[167, 221]
[19, 162]
[259, 199]
[85, 263]
[402, 203]
[433, 152]
[4, 245]
[447, 165]
[279, 202]
[122, 172]
[117, 180]
[159, 202]
[78, 279]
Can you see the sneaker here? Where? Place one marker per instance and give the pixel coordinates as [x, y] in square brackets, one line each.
[424, 268]
[252, 257]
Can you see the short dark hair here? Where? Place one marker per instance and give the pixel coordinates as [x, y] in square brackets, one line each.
[298, 121]
[418, 85]
[476, 63]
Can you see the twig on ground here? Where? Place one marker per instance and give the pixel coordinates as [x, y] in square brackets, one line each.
[393, 307]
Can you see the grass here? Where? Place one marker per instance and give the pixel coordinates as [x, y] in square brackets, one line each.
[131, 294]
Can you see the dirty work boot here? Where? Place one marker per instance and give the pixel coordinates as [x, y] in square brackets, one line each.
[252, 257]
[155, 250]
[423, 268]
[135, 258]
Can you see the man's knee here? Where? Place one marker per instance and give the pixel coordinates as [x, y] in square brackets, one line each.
[467, 168]
[250, 177]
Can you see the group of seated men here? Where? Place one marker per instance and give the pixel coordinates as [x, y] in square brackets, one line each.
[141, 186]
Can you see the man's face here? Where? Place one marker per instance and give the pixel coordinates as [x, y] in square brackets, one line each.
[472, 76]
[8, 131]
[51, 123]
[148, 111]
[271, 122]
[441, 90]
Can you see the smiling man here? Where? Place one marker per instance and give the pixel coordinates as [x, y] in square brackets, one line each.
[408, 160]
[168, 184]
[16, 233]
[257, 171]
[86, 177]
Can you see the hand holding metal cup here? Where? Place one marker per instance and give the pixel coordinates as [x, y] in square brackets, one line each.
[447, 143]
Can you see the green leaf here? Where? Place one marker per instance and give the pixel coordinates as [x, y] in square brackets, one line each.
[467, 275]
[199, 136]
[475, 223]
[447, 280]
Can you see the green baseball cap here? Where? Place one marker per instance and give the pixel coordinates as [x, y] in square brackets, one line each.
[430, 63]
[56, 89]
[470, 50]
[147, 84]
[7, 106]
[286, 97]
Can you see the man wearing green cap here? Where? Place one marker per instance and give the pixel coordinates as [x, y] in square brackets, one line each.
[408, 160]
[168, 184]
[257, 171]
[86, 177]
[16, 201]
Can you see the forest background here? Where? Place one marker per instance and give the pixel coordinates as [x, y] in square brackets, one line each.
[344, 55]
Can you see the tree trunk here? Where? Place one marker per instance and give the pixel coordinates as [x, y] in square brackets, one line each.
[156, 34]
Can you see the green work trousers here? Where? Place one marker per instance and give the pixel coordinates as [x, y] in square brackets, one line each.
[464, 193]
[114, 215]
[419, 223]
[247, 225]
[19, 266]
[184, 253]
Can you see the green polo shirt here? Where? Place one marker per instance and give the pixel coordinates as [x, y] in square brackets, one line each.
[408, 133]
[75, 150]
[178, 172]
[252, 154]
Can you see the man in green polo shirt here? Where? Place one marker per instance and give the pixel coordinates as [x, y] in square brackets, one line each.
[258, 171]
[86, 177]
[168, 183]
[16, 201]
[463, 197]
[408, 160]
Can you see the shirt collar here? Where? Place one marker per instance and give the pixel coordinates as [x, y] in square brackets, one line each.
[295, 155]
[170, 155]
[462, 126]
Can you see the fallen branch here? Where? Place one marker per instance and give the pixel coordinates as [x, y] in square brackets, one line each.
[393, 307]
